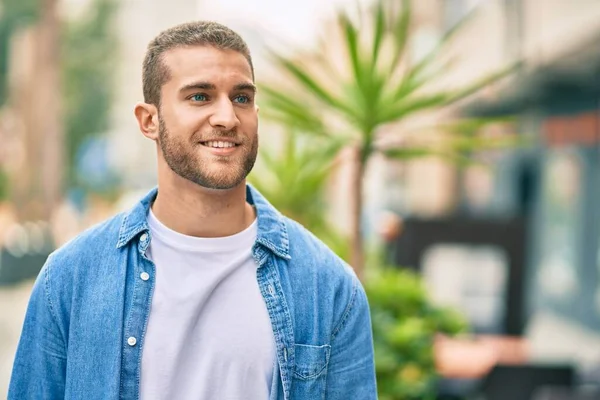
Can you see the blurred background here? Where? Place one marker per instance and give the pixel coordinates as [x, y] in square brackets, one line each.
[449, 150]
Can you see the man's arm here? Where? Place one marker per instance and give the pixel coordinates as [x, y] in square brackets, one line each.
[40, 362]
[351, 372]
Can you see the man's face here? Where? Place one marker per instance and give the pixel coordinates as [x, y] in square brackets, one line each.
[208, 117]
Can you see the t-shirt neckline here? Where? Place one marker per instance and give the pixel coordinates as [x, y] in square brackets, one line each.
[243, 239]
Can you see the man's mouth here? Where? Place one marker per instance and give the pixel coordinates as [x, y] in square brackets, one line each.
[218, 144]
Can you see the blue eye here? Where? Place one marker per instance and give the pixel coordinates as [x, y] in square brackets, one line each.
[198, 97]
[242, 99]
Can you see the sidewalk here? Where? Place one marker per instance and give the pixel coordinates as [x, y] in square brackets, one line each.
[13, 302]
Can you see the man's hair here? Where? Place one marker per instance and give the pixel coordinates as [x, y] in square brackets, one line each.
[202, 33]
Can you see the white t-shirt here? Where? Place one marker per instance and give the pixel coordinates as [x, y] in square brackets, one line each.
[209, 335]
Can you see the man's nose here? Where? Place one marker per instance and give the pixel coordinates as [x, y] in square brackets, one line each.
[224, 116]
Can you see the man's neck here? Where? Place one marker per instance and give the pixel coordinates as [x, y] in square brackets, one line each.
[196, 211]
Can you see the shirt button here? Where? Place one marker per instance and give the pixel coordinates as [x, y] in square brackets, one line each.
[145, 276]
[144, 237]
[271, 290]
[131, 341]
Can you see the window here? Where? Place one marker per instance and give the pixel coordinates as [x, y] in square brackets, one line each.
[456, 10]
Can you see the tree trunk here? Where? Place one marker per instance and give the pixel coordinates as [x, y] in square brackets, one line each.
[357, 256]
[50, 110]
[36, 97]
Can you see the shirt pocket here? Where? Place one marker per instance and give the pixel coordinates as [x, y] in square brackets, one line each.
[310, 361]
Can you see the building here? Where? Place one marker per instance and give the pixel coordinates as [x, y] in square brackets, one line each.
[552, 184]
[557, 98]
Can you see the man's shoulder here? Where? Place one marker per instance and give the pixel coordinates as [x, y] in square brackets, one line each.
[310, 255]
[93, 243]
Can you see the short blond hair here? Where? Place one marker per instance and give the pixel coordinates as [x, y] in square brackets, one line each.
[201, 33]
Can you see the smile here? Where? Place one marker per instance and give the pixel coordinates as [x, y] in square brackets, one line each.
[219, 144]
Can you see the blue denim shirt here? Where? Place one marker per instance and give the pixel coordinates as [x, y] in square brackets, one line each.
[84, 329]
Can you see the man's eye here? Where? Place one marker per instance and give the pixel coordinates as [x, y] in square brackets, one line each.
[242, 99]
[198, 97]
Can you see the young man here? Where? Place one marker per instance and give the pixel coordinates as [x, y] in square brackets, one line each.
[203, 290]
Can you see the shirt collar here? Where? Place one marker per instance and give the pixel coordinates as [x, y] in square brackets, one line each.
[272, 230]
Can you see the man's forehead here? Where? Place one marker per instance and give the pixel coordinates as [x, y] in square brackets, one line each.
[194, 60]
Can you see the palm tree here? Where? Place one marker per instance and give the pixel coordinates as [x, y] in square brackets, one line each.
[374, 84]
[294, 179]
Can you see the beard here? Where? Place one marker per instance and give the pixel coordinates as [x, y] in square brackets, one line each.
[186, 159]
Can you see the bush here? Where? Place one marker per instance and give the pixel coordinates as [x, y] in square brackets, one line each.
[3, 185]
[405, 323]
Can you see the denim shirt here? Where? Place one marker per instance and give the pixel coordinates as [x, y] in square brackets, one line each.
[83, 334]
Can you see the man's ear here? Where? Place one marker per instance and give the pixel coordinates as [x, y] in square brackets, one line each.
[147, 118]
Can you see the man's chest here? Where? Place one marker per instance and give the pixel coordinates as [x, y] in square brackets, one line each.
[209, 318]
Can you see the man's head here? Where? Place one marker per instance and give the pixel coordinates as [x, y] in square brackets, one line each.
[198, 84]
[203, 33]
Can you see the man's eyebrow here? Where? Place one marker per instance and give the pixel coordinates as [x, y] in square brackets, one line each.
[245, 86]
[198, 85]
[209, 86]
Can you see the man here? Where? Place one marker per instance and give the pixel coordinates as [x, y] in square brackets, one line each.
[202, 290]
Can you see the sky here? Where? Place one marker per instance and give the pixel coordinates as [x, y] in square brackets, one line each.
[295, 21]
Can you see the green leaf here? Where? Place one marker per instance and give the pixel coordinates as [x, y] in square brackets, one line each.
[378, 32]
[465, 144]
[89, 50]
[401, 31]
[482, 82]
[418, 76]
[352, 46]
[399, 111]
[408, 153]
[4, 185]
[303, 78]
[435, 53]
[286, 108]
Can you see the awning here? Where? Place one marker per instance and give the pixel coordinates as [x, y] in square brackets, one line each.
[573, 77]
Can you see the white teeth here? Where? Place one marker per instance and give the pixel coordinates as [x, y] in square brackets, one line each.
[219, 144]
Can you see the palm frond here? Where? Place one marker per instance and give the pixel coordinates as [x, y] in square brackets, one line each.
[378, 32]
[401, 31]
[482, 82]
[304, 79]
[407, 153]
[412, 106]
[350, 36]
[286, 108]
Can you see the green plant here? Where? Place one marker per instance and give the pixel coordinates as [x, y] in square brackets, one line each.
[3, 185]
[14, 14]
[89, 57]
[405, 323]
[294, 179]
[377, 83]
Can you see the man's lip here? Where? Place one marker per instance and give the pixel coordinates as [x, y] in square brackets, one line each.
[222, 151]
[219, 140]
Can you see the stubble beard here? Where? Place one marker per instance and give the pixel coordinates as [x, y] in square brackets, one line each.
[183, 158]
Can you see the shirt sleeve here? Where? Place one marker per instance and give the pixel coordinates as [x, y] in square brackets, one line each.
[39, 368]
[351, 372]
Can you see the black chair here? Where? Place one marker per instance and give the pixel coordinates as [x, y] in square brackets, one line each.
[16, 269]
[521, 382]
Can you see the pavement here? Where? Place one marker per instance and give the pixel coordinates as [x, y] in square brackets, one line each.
[13, 303]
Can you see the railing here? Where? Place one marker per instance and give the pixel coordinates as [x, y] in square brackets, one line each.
[24, 251]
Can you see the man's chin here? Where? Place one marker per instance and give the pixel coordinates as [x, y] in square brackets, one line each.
[220, 184]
